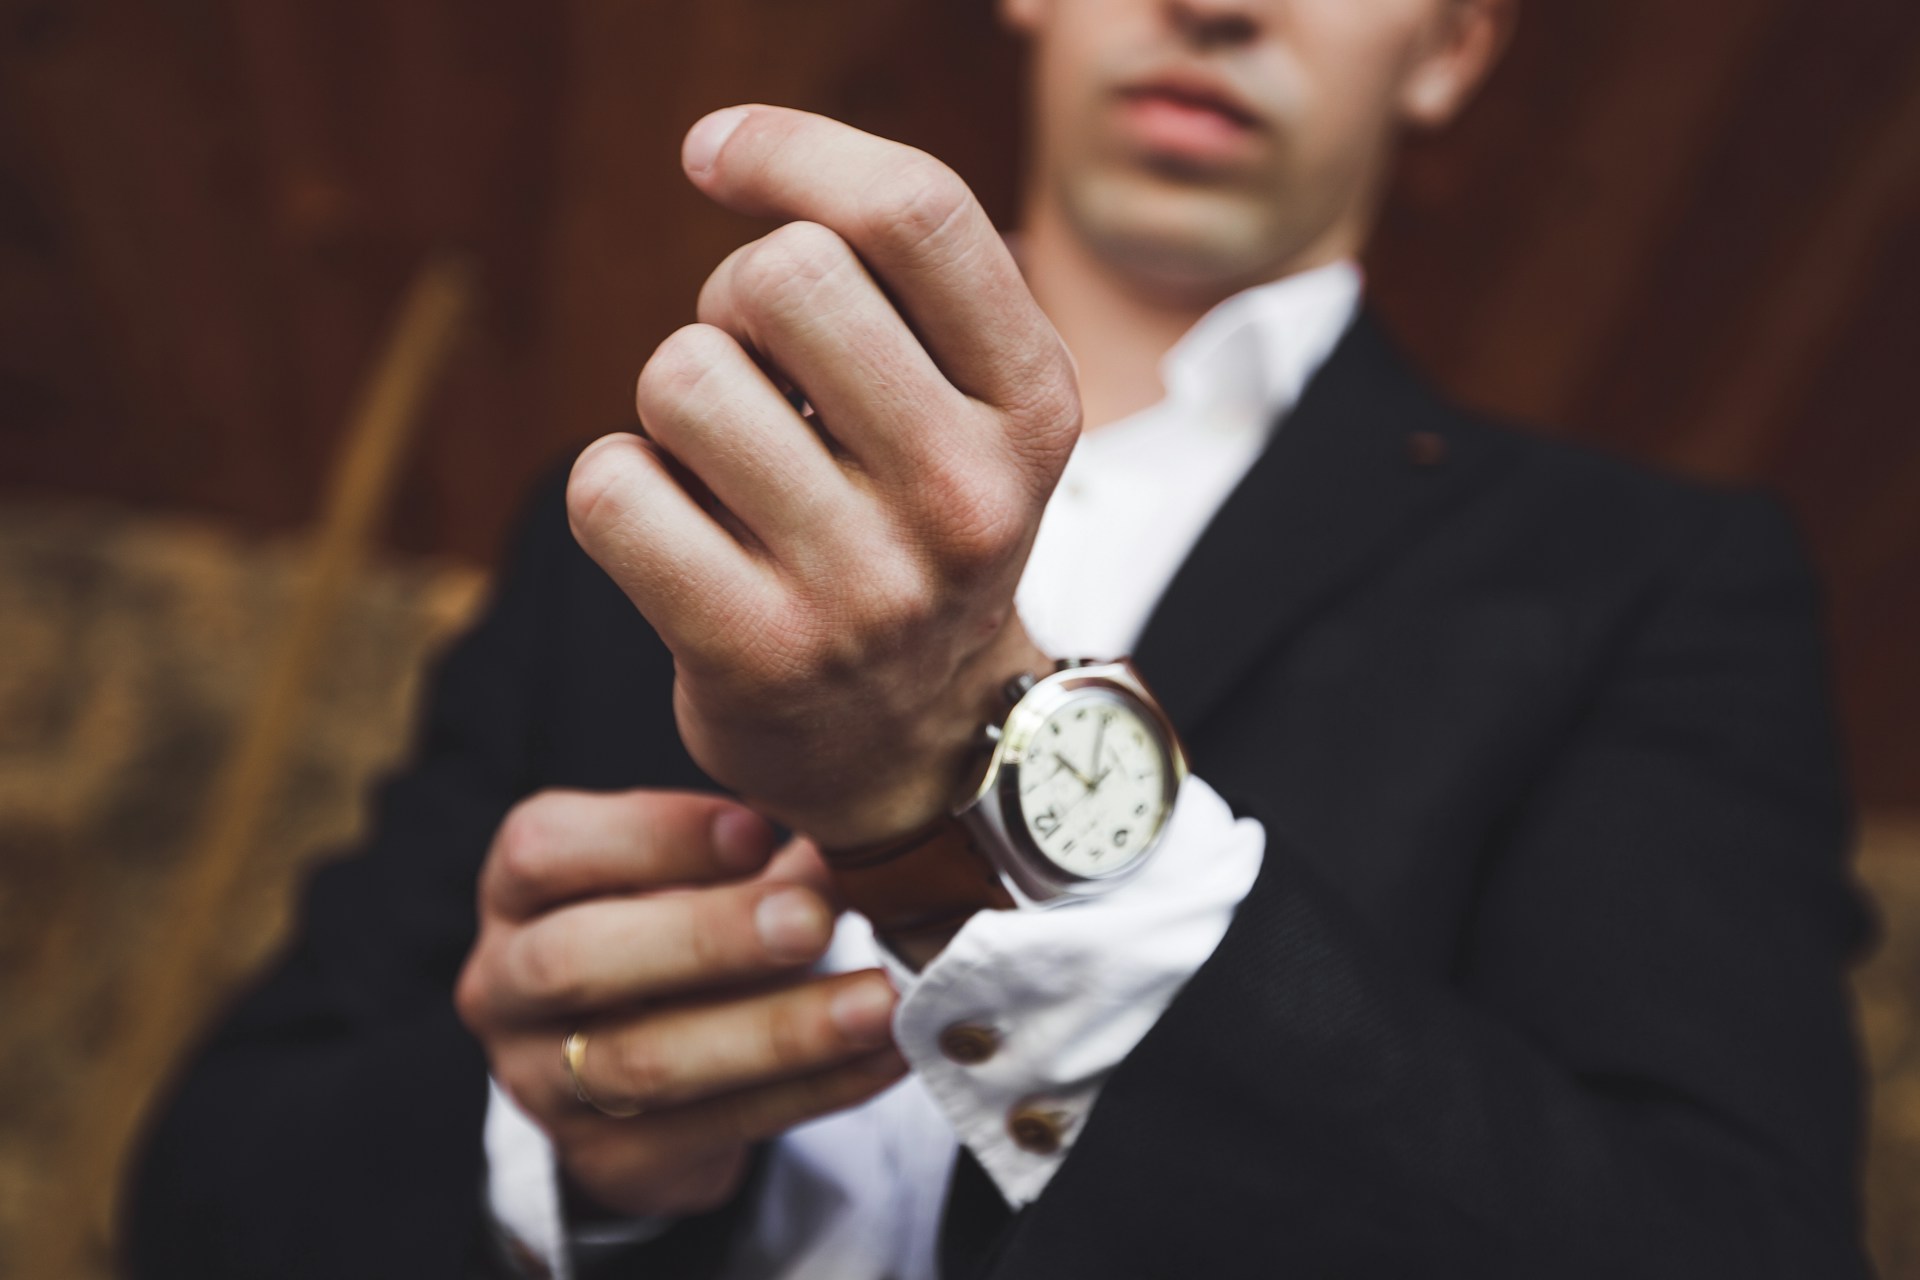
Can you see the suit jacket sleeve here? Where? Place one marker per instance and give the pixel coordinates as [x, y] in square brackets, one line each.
[1643, 1063]
[333, 1124]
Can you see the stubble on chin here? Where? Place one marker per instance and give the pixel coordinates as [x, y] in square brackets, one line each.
[1170, 233]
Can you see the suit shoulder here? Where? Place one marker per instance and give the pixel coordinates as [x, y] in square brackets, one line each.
[1573, 490]
[1554, 499]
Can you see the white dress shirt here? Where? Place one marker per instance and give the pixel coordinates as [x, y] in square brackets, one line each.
[1069, 991]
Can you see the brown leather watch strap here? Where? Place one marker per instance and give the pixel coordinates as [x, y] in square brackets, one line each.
[918, 889]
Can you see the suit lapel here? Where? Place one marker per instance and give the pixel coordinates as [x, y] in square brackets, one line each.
[1364, 457]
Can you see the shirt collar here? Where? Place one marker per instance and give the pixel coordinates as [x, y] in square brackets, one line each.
[1252, 354]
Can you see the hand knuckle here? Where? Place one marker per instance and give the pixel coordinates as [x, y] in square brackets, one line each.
[1047, 414]
[1057, 407]
[887, 608]
[916, 203]
[597, 485]
[980, 523]
[916, 610]
[642, 1069]
[711, 933]
[546, 970]
[789, 1037]
[679, 367]
[760, 271]
[984, 538]
[472, 996]
[781, 271]
[523, 848]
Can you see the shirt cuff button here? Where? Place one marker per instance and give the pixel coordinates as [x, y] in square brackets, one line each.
[969, 1043]
[1036, 1129]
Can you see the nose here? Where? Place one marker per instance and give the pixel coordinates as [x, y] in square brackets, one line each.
[1214, 24]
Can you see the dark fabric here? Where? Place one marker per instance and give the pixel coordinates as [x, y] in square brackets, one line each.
[973, 1223]
[1543, 974]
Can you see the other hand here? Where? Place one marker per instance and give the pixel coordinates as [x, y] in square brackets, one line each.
[664, 926]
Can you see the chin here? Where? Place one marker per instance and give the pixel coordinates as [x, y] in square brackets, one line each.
[1181, 242]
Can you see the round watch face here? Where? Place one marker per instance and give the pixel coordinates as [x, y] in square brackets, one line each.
[1094, 785]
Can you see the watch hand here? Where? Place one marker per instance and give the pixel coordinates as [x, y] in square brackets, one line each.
[1099, 736]
[1078, 776]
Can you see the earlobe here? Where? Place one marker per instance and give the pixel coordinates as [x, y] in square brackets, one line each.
[1432, 97]
[1474, 36]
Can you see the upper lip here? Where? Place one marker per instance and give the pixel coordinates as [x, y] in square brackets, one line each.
[1197, 88]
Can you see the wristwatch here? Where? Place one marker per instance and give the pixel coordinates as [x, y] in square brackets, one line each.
[1077, 787]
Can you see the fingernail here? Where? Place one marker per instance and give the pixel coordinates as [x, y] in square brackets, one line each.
[706, 138]
[742, 839]
[793, 924]
[863, 1012]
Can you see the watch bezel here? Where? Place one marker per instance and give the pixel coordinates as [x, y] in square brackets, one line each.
[995, 810]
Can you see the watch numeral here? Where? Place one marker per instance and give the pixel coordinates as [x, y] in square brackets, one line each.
[1120, 838]
[1046, 823]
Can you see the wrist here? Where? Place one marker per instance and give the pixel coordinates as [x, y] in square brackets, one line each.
[1073, 797]
[931, 773]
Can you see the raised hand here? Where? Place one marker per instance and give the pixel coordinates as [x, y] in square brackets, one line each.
[837, 590]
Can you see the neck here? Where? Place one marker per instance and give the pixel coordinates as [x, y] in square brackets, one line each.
[1117, 334]
[1117, 327]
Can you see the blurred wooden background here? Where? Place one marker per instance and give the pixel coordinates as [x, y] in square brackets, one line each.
[1684, 232]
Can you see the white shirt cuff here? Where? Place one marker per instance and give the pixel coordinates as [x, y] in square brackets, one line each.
[1017, 1023]
[523, 1195]
[523, 1183]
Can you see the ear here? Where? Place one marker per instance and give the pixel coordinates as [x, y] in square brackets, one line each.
[1024, 16]
[1468, 39]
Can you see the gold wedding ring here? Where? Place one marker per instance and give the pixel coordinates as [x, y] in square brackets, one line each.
[573, 1051]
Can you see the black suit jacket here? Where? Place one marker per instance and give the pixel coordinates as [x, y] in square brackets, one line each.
[1542, 976]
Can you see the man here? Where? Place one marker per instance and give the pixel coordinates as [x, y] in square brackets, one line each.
[1499, 929]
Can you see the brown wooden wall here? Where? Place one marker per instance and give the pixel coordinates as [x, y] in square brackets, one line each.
[1681, 231]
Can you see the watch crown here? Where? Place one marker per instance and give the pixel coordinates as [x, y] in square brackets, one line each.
[1017, 687]
[1068, 664]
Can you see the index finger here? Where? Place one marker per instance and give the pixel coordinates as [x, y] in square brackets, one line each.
[562, 846]
[915, 224]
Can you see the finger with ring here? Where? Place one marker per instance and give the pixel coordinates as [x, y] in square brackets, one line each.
[573, 1051]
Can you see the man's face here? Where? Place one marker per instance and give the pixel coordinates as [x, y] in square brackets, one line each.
[1200, 146]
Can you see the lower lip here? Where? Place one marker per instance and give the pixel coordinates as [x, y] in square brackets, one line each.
[1172, 127]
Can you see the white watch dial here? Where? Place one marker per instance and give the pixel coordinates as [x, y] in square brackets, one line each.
[1093, 788]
